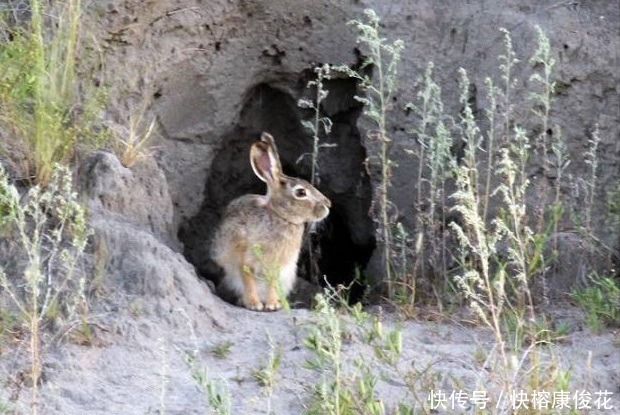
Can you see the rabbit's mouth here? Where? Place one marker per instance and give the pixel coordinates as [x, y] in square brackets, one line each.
[321, 211]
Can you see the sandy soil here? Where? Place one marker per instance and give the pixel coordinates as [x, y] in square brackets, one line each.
[138, 365]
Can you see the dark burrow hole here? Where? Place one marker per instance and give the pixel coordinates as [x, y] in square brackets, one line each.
[345, 240]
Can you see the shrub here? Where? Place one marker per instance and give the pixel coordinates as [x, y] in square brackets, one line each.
[49, 227]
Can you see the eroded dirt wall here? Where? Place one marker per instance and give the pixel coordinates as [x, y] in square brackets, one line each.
[201, 64]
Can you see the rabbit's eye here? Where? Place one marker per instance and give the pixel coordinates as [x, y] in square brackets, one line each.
[300, 192]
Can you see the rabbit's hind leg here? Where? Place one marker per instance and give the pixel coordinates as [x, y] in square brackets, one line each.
[250, 298]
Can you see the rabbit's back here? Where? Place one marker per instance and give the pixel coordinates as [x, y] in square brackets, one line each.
[248, 218]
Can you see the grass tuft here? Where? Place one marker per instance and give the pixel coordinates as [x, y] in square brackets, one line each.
[41, 110]
[601, 300]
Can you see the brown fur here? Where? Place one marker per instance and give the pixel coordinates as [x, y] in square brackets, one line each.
[274, 224]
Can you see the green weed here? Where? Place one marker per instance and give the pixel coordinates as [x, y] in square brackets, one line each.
[435, 166]
[601, 300]
[383, 60]
[38, 91]
[216, 390]
[265, 375]
[221, 350]
[343, 390]
[319, 126]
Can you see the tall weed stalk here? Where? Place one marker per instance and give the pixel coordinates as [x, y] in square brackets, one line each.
[319, 126]
[435, 166]
[542, 99]
[592, 163]
[383, 60]
[50, 228]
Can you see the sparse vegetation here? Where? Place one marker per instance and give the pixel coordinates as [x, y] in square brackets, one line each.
[136, 145]
[266, 374]
[502, 249]
[222, 349]
[320, 126]
[601, 300]
[49, 227]
[435, 166]
[215, 390]
[591, 160]
[613, 206]
[504, 243]
[347, 389]
[40, 112]
[325, 340]
[502, 240]
[383, 61]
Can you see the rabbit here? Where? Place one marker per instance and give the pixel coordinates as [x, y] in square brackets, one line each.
[259, 238]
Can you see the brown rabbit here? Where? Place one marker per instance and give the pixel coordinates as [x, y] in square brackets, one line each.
[259, 238]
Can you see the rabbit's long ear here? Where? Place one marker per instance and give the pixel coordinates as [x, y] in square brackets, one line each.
[265, 160]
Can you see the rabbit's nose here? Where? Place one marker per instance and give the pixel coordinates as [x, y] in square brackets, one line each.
[328, 203]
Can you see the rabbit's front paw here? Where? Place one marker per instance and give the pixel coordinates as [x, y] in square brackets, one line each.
[253, 303]
[273, 305]
[273, 300]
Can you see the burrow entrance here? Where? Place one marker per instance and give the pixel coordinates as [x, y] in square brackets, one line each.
[346, 238]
